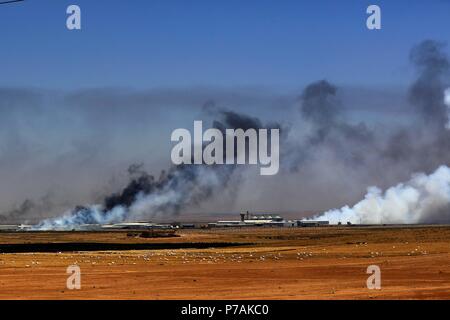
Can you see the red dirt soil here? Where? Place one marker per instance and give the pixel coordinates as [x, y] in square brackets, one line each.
[272, 263]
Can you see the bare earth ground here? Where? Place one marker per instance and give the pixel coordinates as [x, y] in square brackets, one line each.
[297, 263]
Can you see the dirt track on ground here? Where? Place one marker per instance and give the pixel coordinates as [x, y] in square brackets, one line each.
[270, 263]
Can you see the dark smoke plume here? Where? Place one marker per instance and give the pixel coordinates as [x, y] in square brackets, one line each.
[322, 111]
[319, 104]
[26, 209]
[426, 94]
[359, 149]
[424, 146]
[147, 196]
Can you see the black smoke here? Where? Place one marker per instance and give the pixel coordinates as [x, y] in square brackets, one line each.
[426, 144]
[173, 190]
[353, 145]
[28, 207]
[426, 93]
[322, 111]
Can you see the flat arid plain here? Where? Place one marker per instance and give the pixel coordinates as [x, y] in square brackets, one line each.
[246, 263]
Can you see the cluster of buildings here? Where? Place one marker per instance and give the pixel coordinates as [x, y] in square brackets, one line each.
[246, 220]
[266, 220]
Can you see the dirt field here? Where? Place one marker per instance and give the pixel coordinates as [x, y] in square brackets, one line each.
[268, 263]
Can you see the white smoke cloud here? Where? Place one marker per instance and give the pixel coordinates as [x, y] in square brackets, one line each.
[144, 205]
[423, 199]
[93, 214]
[447, 103]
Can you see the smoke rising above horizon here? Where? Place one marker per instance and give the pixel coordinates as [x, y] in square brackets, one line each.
[422, 199]
[334, 143]
[146, 196]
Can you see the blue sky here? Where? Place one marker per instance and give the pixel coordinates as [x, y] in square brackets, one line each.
[233, 43]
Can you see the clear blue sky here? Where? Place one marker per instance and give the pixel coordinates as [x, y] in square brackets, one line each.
[169, 43]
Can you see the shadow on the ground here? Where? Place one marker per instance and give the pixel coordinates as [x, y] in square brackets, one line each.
[93, 246]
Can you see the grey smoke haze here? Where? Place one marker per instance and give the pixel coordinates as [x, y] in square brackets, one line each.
[433, 68]
[54, 143]
[74, 148]
[424, 198]
[146, 196]
[328, 128]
